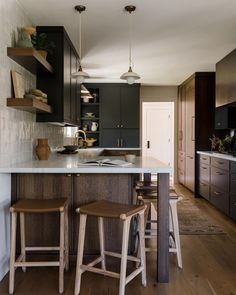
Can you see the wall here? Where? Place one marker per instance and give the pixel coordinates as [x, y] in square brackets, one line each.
[18, 129]
[163, 94]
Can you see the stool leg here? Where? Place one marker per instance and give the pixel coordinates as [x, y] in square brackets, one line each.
[175, 223]
[80, 252]
[62, 252]
[22, 238]
[142, 247]
[66, 240]
[101, 240]
[125, 240]
[13, 252]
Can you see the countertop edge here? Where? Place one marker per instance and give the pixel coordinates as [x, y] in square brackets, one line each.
[217, 155]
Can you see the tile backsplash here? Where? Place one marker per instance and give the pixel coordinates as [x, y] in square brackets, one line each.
[18, 129]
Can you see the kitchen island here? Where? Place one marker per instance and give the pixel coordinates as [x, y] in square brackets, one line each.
[62, 176]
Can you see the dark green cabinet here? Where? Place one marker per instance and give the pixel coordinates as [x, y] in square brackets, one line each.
[119, 114]
[62, 89]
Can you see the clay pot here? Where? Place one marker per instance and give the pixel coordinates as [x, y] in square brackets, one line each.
[42, 149]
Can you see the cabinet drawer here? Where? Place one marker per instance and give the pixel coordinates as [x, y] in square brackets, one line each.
[205, 159]
[220, 179]
[204, 190]
[220, 199]
[204, 173]
[220, 163]
[233, 183]
[232, 206]
[233, 166]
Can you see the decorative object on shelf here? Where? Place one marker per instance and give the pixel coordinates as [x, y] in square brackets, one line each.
[89, 115]
[90, 141]
[130, 76]
[95, 96]
[85, 127]
[80, 75]
[42, 44]
[86, 98]
[18, 85]
[94, 126]
[24, 39]
[83, 90]
[37, 94]
[42, 149]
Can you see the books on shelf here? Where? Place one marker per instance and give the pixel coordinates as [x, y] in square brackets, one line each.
[106, 162]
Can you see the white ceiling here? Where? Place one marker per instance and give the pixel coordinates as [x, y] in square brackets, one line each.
[171, 38]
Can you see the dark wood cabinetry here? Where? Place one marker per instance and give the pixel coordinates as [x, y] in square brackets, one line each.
[216, 182]
[63, 90]
[196, 122]
[226, 80]
[42, 229]
[119, 114]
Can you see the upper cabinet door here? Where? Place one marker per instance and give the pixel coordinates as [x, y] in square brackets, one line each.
[130, 107]
[190, 118]
[226, 80]
[110, 107]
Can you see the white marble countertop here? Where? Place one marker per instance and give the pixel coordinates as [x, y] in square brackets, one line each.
[70, 164]
[217, 155]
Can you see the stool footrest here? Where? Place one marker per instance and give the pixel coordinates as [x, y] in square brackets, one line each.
[133, 274]
[118, 255]
[34, 263]
[100, 271]
[42, 248]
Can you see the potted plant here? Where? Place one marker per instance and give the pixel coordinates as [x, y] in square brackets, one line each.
[42, 44]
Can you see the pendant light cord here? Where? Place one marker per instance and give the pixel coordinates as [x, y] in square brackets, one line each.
[130, 40]
[80, 38]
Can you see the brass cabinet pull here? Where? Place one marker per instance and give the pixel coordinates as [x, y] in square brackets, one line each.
[118, 142]
[219, 173]
[220, 163]
[118, 126]
[202, 184]
[121, 126]
[121, 142]
[204, 168]
[77, 175]
[68, 175]
[204, 158]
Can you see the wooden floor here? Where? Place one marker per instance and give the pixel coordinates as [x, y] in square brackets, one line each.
[209, 268]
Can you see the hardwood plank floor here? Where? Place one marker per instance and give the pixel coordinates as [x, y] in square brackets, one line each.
[209, 268]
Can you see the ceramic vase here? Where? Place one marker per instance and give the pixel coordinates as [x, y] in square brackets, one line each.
[42, 149]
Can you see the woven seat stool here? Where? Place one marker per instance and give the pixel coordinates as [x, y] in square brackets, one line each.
[23, 207]
[104, 209]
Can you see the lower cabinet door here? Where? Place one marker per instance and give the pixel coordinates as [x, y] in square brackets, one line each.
[110, 137]
[190, 173]
[232, 208]
[204, 190]
[220, 199]
[129, 138]
[181, 175]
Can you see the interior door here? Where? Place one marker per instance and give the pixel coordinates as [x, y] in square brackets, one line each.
[158, 131]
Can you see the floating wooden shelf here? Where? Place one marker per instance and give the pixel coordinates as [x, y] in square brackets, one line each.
[30, 59]
[29, 105]
[89, 118]
[90, 104]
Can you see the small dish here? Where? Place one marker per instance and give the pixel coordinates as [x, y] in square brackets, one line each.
[89, 114]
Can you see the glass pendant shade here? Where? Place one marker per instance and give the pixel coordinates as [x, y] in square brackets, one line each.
[80, 75]
[130, 76]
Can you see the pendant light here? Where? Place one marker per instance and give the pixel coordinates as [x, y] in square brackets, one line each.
[130, 76]
[80, 75]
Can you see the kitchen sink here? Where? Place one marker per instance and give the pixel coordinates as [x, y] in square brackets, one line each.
[90, 153]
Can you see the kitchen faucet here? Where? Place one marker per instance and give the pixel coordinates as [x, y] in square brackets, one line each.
[79, 140]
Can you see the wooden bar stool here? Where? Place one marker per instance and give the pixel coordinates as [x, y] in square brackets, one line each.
[39, 206]
[105, 209]
[150, 199]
